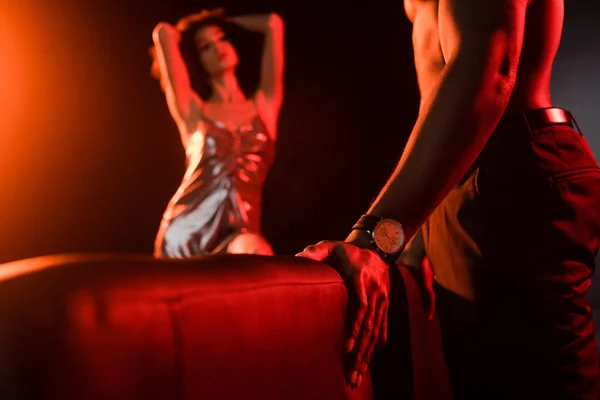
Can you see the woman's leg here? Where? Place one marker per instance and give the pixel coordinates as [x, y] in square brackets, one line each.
[250, 243]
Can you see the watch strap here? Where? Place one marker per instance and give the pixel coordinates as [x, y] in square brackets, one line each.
[367, 222]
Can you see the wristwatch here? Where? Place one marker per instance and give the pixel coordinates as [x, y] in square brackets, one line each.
[386, 236]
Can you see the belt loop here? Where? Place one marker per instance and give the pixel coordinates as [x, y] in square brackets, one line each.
[524, 114]
[575, 123]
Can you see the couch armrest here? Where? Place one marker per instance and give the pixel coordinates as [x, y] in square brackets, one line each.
[133, 327]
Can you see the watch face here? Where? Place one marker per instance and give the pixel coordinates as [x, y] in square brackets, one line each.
[389, 236]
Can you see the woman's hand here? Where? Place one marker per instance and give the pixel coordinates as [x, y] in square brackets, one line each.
[188, 20]
[367, 281]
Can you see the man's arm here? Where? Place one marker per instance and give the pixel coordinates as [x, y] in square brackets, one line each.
[481, 42]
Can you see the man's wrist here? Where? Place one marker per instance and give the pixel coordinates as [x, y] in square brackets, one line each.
[364, 240]
[361, 239]
[384, 236]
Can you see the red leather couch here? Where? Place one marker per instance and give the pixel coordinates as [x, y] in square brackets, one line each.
[220, 327]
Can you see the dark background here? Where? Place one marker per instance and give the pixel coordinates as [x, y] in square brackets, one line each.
[89, 155]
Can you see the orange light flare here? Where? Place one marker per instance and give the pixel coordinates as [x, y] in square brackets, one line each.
[12, 76]
[15, 86]
[35, 104]
[38, 77]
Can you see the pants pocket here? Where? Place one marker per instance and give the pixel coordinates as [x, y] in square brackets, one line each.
[575, 175]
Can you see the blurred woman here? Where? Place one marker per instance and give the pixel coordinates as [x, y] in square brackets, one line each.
[228, 136]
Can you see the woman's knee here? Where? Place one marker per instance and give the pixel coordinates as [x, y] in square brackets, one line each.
[250, 243]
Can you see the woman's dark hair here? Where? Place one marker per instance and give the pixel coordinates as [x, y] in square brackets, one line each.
[247, 45]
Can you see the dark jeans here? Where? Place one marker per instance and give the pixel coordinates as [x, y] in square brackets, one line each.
[513, 248]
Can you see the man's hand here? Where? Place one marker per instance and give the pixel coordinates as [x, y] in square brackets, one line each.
[367, 281]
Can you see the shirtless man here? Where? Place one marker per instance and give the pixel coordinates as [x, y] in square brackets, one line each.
[508, 194]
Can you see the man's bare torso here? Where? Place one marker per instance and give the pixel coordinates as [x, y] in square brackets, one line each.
[542, 36]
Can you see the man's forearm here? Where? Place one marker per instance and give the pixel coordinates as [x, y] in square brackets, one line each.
[453, 126]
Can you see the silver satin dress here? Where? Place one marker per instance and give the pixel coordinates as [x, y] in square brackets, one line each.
[220, 195]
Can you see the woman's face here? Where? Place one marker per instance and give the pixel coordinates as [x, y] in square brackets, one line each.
[217, 54]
